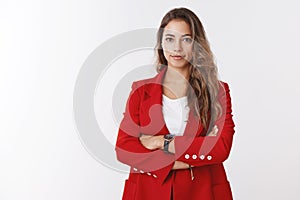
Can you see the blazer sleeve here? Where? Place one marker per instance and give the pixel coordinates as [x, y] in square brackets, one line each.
[199, 151]
[130, 151]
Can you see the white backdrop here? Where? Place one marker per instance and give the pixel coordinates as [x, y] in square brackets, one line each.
[44, 44]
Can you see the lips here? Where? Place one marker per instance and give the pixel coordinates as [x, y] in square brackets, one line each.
[177, 57]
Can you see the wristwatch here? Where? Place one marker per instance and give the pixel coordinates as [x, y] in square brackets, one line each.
[167, 139]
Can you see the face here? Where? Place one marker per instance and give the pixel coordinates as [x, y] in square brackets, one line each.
[177, 43]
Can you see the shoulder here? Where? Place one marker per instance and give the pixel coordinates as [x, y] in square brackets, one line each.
[142, 83]
[224, 90]
[224, 84]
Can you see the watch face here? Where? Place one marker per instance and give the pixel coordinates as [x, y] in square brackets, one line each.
[166, 146]
[168, 136]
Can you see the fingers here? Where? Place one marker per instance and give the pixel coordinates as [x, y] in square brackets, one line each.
[146, 136]
[214, 131]
[180, 165]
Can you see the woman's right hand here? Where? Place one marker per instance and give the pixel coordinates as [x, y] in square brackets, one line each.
[180, 165]
[214, 131]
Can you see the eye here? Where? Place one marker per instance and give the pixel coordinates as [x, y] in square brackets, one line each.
[169, 39]
[187, 40]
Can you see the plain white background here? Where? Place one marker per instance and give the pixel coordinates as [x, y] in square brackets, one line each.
[44, 43]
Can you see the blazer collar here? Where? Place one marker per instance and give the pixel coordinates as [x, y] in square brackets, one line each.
[153, 89]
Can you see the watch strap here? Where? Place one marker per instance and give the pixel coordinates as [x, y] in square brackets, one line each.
[167, 139]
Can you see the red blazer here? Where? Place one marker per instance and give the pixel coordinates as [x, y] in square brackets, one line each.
[151, 176]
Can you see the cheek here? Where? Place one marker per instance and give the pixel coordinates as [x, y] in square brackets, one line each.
[188, 52]
[166, 54]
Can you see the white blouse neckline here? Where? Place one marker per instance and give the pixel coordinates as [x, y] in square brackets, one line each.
[177, 99]
[176, 113]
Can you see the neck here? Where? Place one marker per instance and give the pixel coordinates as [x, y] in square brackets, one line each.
[174, 74]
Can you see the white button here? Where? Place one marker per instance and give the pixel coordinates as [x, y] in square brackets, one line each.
[187, 156]
[202, 157]
[209, 157]
[149, 173]
[194, 156]
[134, 169]
[154, 176]
[141, 171]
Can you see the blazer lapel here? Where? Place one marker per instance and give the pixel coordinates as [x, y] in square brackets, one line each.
[152, 119]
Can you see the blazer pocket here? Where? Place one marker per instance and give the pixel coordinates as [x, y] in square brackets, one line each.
[222, 191]
[129, 190]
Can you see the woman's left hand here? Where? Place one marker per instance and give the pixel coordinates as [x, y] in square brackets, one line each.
[152, 142]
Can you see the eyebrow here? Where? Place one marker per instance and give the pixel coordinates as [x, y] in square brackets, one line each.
[168, 34]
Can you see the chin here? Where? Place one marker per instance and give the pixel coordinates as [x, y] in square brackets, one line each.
[179, 65]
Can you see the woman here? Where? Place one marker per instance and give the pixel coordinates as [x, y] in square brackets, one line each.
[177, 128]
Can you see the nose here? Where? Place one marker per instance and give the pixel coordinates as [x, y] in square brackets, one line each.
[177, 46]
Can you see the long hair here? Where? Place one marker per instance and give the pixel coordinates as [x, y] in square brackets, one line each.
[204, 84]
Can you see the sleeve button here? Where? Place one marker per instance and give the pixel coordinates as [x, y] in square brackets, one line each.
[194, 156]
[202, 157]
[154, 176]
[209, 157]
[187, 156]
[149, 173]
[134, 169]
[142, 171]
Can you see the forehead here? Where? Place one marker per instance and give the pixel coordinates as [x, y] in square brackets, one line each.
[177, 27]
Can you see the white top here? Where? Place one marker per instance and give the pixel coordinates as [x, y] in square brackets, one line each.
[175, 112]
